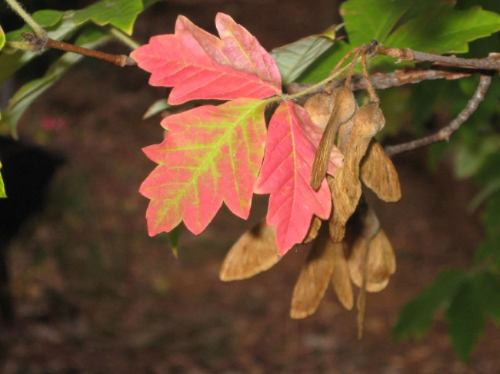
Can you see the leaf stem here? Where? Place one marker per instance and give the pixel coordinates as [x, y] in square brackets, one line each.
[18, 8]
[315, 87]
[125, 39]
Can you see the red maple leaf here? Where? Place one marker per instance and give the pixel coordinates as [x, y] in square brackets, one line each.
[210, 154]
[199, 65]
[285, 175]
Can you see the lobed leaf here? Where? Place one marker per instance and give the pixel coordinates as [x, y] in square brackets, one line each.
[119, 13]
[210, 154]
[285, 175]
[199, 65]
[294, 58]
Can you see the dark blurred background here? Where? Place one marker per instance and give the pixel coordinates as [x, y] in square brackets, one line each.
[93, 293]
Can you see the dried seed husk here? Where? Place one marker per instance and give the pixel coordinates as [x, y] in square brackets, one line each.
[346, 185]
[341, 280]
[313, 229]
[313, 278]
[380, 262]
[379, 174]
[343, 110]
[319, 107]
[336, 229]
[254, 252]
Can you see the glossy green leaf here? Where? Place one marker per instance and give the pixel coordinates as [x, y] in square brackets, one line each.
[367, 20]
[2, 186]
[449, 31]
[2, 38]
[417, 315]
[29, 92]
[294, 58]
[156, 108]
[119, 13]
[465, 319]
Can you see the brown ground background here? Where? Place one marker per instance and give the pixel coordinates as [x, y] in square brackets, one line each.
[95, 294]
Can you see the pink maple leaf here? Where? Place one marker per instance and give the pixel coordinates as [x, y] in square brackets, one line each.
[199, 65]
[285, 175]
[210, 154]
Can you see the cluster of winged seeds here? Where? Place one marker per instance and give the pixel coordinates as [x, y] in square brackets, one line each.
[350, 247]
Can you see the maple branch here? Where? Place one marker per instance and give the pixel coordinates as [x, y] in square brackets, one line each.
[454, 125]
[401, 77]
[382, 81]
[38, 44]
[492, 62]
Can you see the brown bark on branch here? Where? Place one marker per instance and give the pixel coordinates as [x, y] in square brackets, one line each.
[492, 62]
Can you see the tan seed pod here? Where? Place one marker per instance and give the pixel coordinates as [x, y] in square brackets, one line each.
[344, 106]
[254, 252]
[380, 262]
[346, 186]
[313, 230]
[313, 278]
[341, 280]
[336, 229]
[379, 174]
[319, 107]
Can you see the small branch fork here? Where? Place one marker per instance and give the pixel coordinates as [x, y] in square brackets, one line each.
[454, 125]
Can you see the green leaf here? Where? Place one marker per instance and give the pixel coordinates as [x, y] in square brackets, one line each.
[29, 92]
[2, 38]
[432, 26]
[2, 186]
[322, 67]
[449, 31]
[367, 20]
[294, 58]
[416, 316]
[156, 108]
[119, 13]
[465, 319]
[46, 18]
[487, 287]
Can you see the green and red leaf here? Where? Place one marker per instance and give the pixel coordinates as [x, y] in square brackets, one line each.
[210, 154]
